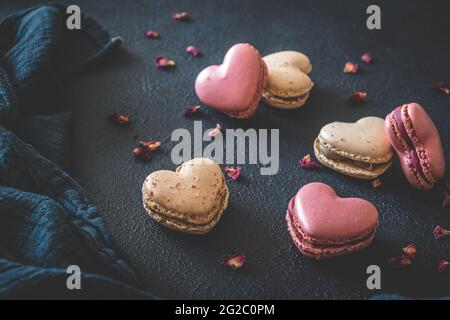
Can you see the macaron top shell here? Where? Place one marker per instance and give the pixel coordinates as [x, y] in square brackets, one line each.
[325, 216]
[234, 85]
[193, 189]
[288, 73]
[365, 137]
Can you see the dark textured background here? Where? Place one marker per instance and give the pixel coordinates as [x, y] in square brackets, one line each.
[411, 52]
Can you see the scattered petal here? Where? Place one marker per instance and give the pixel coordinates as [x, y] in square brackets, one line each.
[146, 149]
[446, 199]
[216, 131]
[150, 145]
[152, 34]
[193, 51]
[367, 58]
[440, 232]
[351, 67]
[162, 62]
[357, 98]
[442, 87]
[233, 172]
[307, 163]
[443, 265]
[376, 183]
[400, 261]
[410, 251]
[191, 110]
[234, 261]
[181, 16]
[119, 118]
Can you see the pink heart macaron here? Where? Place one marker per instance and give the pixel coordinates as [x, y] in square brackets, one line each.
[235, 87]
[324, 225]
[417, 143]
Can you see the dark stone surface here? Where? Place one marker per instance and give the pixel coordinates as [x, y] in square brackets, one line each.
[411, 53]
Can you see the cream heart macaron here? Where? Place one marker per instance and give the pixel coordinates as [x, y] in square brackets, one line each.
[360, 149]
[288, 85]
[191, 199]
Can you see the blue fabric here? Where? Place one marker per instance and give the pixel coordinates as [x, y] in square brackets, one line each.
[46, 221]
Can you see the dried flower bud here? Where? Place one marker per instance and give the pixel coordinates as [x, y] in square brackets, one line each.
[351, 67]
[234, 261]
[191, 110]
[307, 163]
[357, 98]
[410, 251]
[152, 34]
[233, 172]
[442, 87]
[118, 118]
[215, 132]
[162, 62]
[193, 51]
[181, 16]
[440, 232]
[443, 265]
[367, 58]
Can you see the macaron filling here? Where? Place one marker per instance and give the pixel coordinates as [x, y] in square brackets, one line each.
[408, 143]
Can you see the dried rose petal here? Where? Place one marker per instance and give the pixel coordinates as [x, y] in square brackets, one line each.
[163, 62]
[440, 232]
[233, 172]
[376, 183]
[152, 34]
[150, 145]
[145, 149]
[193, 51]
[216, 131]
[442, 87]
[446, 199]
[367, 58]
[443, 265]
[357, 97]
[400, 261]
[191, 110]
[142, 153]
[119, 118]
[410, 251]
[351, 67]
[307, 163]
[181, 16]
[234, 260]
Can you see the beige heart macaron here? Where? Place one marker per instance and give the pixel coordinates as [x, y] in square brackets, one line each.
[360, 149]
[289, 84]
[191, 199]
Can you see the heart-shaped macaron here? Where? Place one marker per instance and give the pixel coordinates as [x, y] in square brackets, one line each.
[324, 225]
[234, 87]
[191, 199]
[288, 85]
[359, 149]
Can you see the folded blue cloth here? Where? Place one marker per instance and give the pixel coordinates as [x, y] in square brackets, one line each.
[46, 221]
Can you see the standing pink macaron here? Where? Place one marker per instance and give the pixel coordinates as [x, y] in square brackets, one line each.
[234, 87]
[416, 140]
[323, 225]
